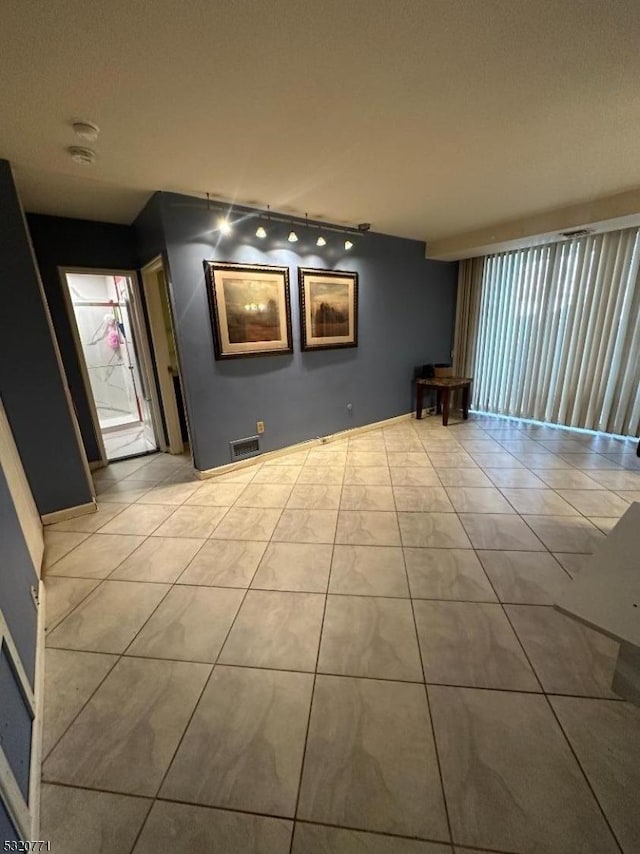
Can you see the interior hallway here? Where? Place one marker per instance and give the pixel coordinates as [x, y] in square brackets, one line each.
[347, 649]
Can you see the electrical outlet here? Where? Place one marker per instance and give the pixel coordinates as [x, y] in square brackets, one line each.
[259, 426]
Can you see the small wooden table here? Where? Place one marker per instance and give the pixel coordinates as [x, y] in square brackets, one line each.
[443, 387]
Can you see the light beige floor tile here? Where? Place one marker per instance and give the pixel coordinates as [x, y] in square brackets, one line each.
[277, 630]
[319, 839]
[497, 460]
[76, 821]
[463, 477]
[606, 738]
[564, 533]
[297, 458]
[447, 574]
[240, 475]
[540, 502]
[372, 441]
[432, 530]
[264, 495]
[515, 478]
[616, 479]
[97, 556]
[142, 519]
[57, 544]
[306, 526]
[90, 522]
[369, 571]
[500, 531]
[471, 499]
[244, 746]
[160, 559]
[472, 644]
[278, 474]
[414, 476]
[370, 636]
[531, 578]
[568, 657]
[326, 457]
[511, 781]
[408, 459]
[63, 594]
[224, 563]
[298, 567]
[196, 522]
[367, 476]
[366, 458]
[321, 474]
[605, 523]
[367, 528]
[590, 462]
[212, 830]
[214, 494]
[70, 679]
[169, 493]
[541, 460]
[190, 624]
[367, 498]
[362, 769]
[126, 735]
[432, 499]
[314, 496]
[247, 523]
[567, 479]
[109, 618]
[122, 493]
[451, 459]
[629, 495]
[573, 563]
[595, 502]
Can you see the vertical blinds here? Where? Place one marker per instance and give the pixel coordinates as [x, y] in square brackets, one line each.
[553, 332]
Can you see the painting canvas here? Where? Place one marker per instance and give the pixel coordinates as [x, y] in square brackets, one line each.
[250, 308]
[328, 309]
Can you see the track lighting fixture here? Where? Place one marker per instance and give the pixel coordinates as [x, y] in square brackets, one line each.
[224, 226]
[321, 241]
[261, 232]
[293, 237]
[348, 245]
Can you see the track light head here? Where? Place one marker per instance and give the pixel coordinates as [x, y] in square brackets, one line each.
[261, 232]
[224, 226]
[321, 241]
[293, 237]
[348, 245]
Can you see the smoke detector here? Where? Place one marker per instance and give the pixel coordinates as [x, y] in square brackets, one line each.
[82, 155]
[86, 130]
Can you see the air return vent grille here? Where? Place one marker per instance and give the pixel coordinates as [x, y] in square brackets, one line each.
[242, 448]
[577, 232]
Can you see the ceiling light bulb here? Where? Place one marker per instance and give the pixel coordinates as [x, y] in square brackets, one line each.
[348, 244]
[293, 237]
[84, 156]
[261, 232]
[321, 241]
[224, 226]
[86, 130]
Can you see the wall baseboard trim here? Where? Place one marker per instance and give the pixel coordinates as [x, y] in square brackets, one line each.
[97, 464]
[206, 474]
[37, 729]
[69, 513]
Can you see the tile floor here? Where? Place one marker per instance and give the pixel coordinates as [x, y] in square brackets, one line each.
[343, 650]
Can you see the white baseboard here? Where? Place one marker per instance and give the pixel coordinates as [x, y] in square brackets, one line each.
[97, 464]
[302, 446]
[35, 770]
[69, 513]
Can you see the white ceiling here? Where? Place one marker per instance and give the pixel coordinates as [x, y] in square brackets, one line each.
[428, 118]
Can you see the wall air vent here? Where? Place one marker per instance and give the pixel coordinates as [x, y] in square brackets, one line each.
[576, 232]
[243, 448]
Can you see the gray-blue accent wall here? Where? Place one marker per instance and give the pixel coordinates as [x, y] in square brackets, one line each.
[406, 318]
[31, 384]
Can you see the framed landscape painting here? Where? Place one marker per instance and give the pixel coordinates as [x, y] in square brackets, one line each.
[250, 309]
[328, 308]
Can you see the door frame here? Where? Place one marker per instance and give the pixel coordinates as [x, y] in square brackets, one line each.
[143, 348]
[161, 352]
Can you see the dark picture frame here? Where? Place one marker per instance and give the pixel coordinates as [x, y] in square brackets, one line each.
[328, 308]
[250, 307]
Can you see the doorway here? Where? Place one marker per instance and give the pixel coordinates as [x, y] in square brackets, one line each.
[111, 343]
[165, 355]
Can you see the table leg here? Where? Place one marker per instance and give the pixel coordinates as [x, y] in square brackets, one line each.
[466, 394]
[438, 401]
[419, 399]
[445, 406]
